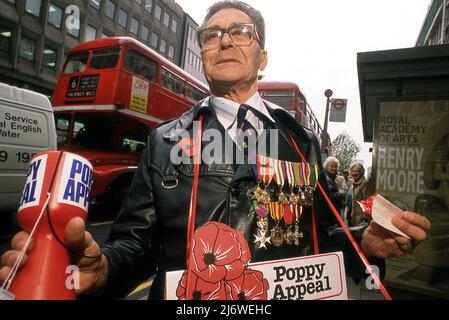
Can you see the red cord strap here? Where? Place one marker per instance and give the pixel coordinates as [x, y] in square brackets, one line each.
[192, 209]
[348, 233]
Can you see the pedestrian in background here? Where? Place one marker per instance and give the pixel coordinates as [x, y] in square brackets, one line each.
[331, 165]
[361, 190]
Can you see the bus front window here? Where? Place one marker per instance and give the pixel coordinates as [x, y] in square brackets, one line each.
[76, 63]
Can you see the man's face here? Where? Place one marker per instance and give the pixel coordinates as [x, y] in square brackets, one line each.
[227, 64]
[331, 167]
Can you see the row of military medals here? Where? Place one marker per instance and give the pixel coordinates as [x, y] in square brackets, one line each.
[301, 181]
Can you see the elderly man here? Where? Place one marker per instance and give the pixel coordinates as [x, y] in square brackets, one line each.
[331, 165]
[149, 236]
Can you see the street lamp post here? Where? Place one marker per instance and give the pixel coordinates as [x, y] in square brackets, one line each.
[325, 136]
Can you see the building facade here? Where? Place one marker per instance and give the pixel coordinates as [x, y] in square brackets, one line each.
[435, 29]
[36, 35]
[191, 54]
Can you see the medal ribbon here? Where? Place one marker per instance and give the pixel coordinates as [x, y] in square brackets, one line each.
[297, 173]
[264, 170]
[279, 173]
[290, 175]
[288, 214]
[307, 173]
[297, 212]
[270, 170]
[303, 173]
[276, 211]
[313, 175]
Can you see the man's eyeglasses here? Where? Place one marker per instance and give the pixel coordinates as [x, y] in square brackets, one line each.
[240, 34]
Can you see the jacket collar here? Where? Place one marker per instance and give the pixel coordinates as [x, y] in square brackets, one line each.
[184, 122]
[283, 120]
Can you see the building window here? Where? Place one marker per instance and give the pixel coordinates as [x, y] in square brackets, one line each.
[134, 26]
[49, 58]
[144, 31]
[95, 4]
[110, 9]
[54, 15]
[154, 39]
[166, 19]
[163, 46]
[191, 33]
[171, 51]
[157, 13]
[174, 26]
[123, 18]
[148, 5]
[27, 48]
[189, 54]
[91, 33]
[191, 58]
[33, 7]
[5, 39]
[75, 31]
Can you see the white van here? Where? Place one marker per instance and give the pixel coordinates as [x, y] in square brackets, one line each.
[27, 127]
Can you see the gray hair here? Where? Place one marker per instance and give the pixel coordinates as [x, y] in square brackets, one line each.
[253, 13]
[360, 167]
[333, 160]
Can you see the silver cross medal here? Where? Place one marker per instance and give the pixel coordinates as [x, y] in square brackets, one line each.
[262, 239]
[297, 234]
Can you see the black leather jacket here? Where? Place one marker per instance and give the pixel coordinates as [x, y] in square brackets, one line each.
[149, 235]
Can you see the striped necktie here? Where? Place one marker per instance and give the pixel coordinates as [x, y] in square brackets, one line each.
[244, 126]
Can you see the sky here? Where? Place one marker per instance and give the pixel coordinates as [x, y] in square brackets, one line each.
[315, 44]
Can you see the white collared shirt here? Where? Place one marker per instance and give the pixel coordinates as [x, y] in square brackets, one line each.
[226, 111]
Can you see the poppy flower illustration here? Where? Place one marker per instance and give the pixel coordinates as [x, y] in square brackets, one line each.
[250, 286]
[219, 252]
[202, 290]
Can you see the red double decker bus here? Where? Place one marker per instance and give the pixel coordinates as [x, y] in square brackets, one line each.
[109, 95]
[288, 96]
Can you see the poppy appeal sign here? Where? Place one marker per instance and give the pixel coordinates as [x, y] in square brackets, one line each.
[221, 271]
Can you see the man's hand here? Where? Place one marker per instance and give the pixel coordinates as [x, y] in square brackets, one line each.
[85, 253]
[379, 242]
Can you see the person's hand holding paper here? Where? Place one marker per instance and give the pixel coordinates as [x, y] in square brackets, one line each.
[392, 232]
